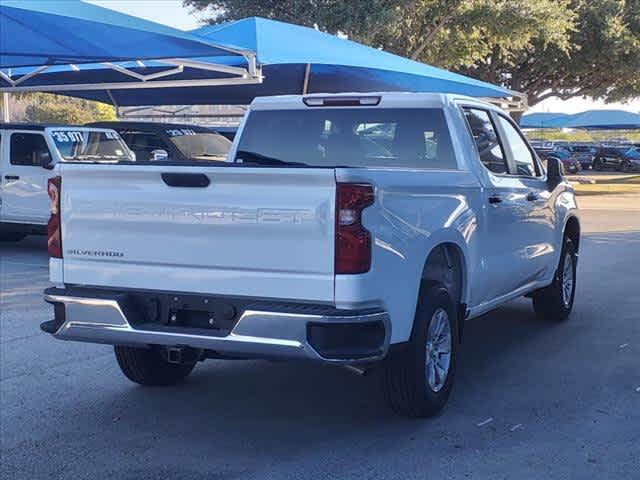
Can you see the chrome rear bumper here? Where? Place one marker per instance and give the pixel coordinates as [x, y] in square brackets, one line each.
[257, 334]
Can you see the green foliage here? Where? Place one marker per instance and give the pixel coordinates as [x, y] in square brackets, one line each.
[583, 135]
[47, 108]
[563, 48]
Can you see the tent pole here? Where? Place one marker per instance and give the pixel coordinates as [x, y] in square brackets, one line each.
[6, 117]
[305, 83]
[114, 103]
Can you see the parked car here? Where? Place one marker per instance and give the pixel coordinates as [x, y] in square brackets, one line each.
[583, 154]
[28, 153]
[170, 141]
[562, 154]
[321, 238]
[624, 158]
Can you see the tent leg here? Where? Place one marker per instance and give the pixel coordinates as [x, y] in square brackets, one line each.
[305, 83]
[114, 103]
[6, 116]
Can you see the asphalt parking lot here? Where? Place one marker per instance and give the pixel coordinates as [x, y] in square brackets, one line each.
[533, 400]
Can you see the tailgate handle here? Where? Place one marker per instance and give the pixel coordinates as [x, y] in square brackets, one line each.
[186, 180]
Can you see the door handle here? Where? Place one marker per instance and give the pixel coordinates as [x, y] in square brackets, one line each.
[186, 180]
[11, 177]
[495, 199]
[532, 196]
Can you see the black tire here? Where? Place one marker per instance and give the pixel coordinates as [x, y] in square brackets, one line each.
[147, 366]
[550, 303]
[597, 165]
[404, 372]
[12, 236]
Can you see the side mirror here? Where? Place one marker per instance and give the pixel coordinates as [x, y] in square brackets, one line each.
[555, 171]
[159, 155]
[45, 161]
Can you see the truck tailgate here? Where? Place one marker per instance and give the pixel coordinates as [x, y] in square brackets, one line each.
[259, 232]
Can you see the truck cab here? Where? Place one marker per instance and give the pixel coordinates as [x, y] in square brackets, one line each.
[28, 154]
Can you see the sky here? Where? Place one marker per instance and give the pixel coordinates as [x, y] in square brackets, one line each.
[172, 13]
[169, 12]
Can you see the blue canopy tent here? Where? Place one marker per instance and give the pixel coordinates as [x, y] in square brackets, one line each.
[288, 59]
[544, 120]
[588, 120]
[604, 120]
[41, 39]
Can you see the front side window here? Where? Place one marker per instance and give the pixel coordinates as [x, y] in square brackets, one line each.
[525, 163]
[90, 145]
[29, 149]
[484, 134]
[351, 137]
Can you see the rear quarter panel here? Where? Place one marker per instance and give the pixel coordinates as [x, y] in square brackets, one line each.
[414, 211]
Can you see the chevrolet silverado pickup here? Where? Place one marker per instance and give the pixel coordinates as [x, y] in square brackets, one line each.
[28, 154]
[356, 230]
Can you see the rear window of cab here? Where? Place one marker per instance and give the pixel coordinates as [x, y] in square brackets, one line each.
[414, 138]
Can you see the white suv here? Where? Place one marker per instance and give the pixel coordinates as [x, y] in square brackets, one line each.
[28, 153]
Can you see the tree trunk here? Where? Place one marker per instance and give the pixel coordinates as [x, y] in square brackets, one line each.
[516, 116]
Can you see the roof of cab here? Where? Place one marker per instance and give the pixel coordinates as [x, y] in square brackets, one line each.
[387, 99]
[41, 127]
[150, 126]
[38, 127]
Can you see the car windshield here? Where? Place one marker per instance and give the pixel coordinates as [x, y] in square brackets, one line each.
[193, 144]
[90, 145]
[349, 137]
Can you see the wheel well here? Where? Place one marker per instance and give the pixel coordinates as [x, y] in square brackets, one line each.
[445, 264]
[572, 230]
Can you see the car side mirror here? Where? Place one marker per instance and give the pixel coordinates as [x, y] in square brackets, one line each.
[555, 171]
[159, 155]
[45, 160]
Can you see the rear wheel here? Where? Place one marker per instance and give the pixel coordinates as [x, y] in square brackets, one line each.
[11, 236]
[147, 366]
[555, 302]
[597, 165]
[417, 380]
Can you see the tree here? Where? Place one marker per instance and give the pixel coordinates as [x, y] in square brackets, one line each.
[600, 60]
[544, 48]
[47, 108]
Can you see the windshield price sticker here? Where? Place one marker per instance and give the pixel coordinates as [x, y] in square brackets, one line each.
[179, 132]
[67, 136]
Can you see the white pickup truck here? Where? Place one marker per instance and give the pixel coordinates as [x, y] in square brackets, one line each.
[358, 230]
[28, 154]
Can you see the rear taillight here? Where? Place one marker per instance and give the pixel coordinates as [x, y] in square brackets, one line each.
[353, 241]
[54, 188]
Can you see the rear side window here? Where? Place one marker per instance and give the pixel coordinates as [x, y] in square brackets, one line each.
[29, 149]
[525, 164]
[484, 134]
[350, 137]
[142, 144]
